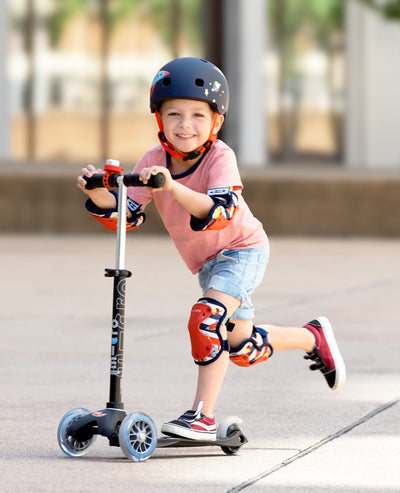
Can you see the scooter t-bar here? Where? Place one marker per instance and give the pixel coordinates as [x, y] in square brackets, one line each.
[129, 180]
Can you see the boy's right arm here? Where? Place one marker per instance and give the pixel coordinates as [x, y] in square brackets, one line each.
[101, 197]
[102, 204]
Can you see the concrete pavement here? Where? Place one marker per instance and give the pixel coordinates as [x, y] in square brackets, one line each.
[55, 326]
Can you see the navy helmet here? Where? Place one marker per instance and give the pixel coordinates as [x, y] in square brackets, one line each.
[190, 78]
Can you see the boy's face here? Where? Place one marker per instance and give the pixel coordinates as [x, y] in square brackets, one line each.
[188, 123]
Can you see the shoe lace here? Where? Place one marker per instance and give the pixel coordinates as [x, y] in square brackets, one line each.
[191, 416]
[319, 363]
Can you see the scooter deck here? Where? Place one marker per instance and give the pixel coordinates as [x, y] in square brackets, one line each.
[235, 440]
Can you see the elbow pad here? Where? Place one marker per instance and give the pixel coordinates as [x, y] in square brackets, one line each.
[109, 217]
[225, 205]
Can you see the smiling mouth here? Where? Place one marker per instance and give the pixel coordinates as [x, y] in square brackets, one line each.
[185, 136]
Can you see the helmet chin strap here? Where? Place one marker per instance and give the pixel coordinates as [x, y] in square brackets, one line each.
[187, 156]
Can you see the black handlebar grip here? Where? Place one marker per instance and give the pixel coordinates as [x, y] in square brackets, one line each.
[95, 181]
[155, 181]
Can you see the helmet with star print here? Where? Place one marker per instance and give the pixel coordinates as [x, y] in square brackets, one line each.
[190, 78]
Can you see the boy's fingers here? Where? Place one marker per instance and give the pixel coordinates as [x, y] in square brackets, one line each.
[86, 172]
[90, 170]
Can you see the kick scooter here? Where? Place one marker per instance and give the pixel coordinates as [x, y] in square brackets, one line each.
[134, 433]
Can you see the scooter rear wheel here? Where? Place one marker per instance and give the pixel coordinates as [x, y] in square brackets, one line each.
[68, 444]
[229, 427]
[137, 436]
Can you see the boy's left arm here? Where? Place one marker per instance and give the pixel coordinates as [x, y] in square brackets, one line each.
[211, 210]
[221, 213]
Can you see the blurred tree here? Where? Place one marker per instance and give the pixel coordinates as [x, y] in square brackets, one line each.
[389, 9]
[62, 12]
[174, 21]
[323, 21]
[165, 15]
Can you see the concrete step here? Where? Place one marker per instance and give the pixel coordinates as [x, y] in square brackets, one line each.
[289, 200]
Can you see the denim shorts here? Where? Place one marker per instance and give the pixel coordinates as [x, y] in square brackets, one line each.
[237, 273]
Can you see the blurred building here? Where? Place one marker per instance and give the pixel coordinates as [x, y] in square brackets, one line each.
[311, 81]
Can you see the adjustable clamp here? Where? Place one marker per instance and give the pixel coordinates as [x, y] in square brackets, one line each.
[111, 169]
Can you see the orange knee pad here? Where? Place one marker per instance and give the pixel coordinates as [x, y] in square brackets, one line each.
[205, 321]
[253, 350]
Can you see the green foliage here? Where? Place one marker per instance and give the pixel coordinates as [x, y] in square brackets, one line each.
[159, 12]
[63, 11]
[290, 20]
[289, 15]
[389, 9]
[162, 12]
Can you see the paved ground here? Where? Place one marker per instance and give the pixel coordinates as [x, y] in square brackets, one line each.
[55, 326]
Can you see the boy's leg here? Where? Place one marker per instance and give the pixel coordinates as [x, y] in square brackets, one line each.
[198, 422]
[284, 338]
[210, 377]
[316, 338]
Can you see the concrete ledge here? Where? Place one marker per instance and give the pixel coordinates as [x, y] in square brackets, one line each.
[289, 201]
[326, 203]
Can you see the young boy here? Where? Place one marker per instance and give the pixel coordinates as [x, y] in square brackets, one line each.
[217, 236]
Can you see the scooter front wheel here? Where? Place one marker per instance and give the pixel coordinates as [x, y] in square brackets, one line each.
[137, 436]
[68, 444]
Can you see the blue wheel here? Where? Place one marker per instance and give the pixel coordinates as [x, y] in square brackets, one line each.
[68, 444]
[137, 436]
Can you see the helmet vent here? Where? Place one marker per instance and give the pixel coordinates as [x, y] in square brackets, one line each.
[166, 81]
[199, 82]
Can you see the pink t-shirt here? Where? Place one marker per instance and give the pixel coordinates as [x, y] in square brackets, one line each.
[218, 168]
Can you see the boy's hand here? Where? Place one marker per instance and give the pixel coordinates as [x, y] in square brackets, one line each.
[100, 196]
[146, 173]
[89, 171]
[196, 203]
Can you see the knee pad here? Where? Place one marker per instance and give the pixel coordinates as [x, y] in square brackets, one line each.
[253, 350]
[205, 321]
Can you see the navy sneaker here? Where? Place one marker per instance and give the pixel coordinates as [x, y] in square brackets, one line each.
[326, 354]
[192, 424]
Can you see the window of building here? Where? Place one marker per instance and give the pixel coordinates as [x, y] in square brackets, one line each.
[80, 73]
[305, 80]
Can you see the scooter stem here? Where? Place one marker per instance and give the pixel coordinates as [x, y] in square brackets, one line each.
[118, 319]
[121, 224]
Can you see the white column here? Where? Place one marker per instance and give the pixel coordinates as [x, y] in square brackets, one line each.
[4, 90]
[245, 52]
[373, 89]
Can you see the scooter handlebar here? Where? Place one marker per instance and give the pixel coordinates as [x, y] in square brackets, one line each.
[130, 180]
